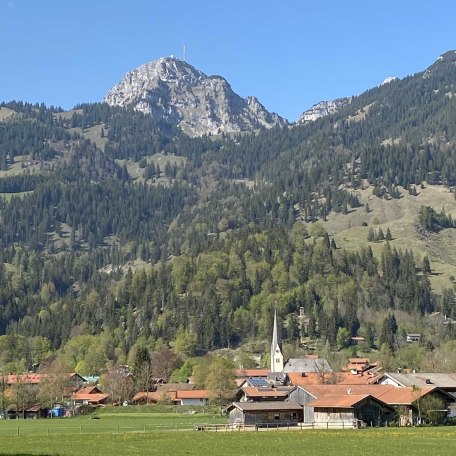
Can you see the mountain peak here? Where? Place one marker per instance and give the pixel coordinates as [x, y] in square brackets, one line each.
[322, 109]
[172, 89]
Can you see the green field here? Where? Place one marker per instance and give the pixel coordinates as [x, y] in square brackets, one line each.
[107, 423]
[171, 434]
[8, 196]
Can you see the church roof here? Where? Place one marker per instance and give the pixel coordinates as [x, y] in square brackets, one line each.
[307, 365]
[275, 334]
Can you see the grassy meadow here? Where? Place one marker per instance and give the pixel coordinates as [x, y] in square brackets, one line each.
[107, 422]
[391, 442]
[401, 217]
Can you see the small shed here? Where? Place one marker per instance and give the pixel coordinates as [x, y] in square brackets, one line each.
[265, 413]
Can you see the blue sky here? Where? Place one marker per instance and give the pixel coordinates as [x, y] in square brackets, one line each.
[289, 54]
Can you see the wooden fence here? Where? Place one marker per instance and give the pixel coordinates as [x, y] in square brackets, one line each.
[279, 426]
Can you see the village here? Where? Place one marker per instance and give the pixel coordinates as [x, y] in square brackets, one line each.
[296, 392]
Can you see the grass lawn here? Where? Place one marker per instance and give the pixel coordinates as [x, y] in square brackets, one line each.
[106, 423]
[391, 442]
[8, 196]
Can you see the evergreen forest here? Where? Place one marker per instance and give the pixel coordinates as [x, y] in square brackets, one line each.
[118, 232]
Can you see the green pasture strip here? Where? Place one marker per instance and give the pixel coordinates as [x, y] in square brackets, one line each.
[8, 196]
[107, 423]
[391, 442]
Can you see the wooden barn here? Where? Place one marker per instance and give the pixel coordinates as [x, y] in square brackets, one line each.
[351, 409]
[265, 413]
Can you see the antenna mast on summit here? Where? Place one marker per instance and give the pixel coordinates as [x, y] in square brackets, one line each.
[184, 52]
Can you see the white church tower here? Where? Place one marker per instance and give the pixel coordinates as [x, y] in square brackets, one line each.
[276, 352]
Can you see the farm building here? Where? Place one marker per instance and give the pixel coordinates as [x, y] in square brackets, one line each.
[265, 413]
[351, 409]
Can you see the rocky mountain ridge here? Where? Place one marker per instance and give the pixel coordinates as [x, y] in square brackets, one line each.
[199, 104]
[322, 109]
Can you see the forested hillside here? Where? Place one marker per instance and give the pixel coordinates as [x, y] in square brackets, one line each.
[118, 231]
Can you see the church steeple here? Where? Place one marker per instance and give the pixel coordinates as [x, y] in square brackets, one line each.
[276, 352]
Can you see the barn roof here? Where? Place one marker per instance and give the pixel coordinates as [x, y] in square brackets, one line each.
[338, 401]
[388, 394]
[274, 406]
[251, 391]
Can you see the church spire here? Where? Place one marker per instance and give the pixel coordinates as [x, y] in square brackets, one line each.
[276, 352]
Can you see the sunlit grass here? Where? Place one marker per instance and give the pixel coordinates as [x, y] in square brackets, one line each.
[391, 442]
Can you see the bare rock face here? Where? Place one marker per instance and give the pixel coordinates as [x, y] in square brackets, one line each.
[172, 89]
[322, 109]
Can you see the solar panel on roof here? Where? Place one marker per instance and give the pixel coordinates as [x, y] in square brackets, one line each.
[258, 381]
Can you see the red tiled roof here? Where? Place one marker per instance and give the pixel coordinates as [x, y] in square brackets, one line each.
[338, 401]
[193, 394]
[309, 378]
[94, 398]
[405, 395]
[251, 391]
[389, 394]
[89, 390]
[239, 381]
[346, 378]
[358, 360]
[147, 396]
[29, 379]
[252, 372]
[340, 390]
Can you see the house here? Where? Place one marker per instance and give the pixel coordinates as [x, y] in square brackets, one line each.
[262, 394]
[444, 381]
[350, 409]
[146, 397]
[413, 337]
[169, 392]
[358, 365]
[355, 340]
[407, 402]
[31, 379]
[191, 397]
[308, 378]
[276, 413]
[252, 381]
[89, 395]
[363, 378]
